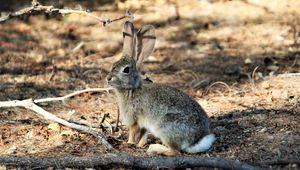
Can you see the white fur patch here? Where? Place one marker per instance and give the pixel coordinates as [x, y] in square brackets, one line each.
[203, 145]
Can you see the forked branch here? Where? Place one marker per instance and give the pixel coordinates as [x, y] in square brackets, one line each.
[30, 104]
[37, 8]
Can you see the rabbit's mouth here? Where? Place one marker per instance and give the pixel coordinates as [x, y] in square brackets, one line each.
[122, 85]
[112, 81]
[113, 84]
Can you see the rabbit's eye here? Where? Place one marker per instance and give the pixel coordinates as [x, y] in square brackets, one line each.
[126, 70]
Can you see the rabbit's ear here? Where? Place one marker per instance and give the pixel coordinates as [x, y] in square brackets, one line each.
[128, 39]
[145, 43]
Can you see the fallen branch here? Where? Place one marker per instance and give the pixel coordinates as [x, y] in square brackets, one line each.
[126, 160]
[37, 8]
[29, 104]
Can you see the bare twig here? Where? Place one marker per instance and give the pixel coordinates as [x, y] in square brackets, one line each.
[29, 104]
[201, 83]
[117, 123]
[295, 60]
[37, 8]
[78, 46]
[177, 10]
[253, 76]
[84, 123]
[50, 99]
[104, 117]
[218, 82]
[126, 160]
[289, 75]
[257, 5]
[52, 74]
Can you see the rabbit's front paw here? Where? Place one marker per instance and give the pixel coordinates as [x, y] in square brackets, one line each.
[131, 141]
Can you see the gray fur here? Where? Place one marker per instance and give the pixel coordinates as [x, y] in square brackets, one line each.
[129, 39]
[145, 43]
[168, 113]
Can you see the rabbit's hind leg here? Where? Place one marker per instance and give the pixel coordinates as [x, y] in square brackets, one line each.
[162, 150]
[142, 138]
[133, 132]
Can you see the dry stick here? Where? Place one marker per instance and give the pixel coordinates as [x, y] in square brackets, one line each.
[84, 123]
[218, 82]
[37, 8]
[78, 47]
[253, 76]
[126, 160]
[289, 75]
[118, 120]
[29, 104]
[52, 74]
[104, 119]
[50, 99]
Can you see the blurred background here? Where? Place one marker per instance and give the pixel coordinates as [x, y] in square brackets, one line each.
[198, 41]
[226, 54]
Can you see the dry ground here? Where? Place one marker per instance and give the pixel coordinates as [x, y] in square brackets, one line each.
[254, 112]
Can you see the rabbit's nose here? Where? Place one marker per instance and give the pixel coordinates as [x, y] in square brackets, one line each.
[108, 78]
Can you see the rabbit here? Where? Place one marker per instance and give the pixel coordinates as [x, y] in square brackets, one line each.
[166, 112]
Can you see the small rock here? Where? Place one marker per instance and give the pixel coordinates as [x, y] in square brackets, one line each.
[152, 59]
[12, 149]
[220, 128]
[260, 74]
[265, 85]
[61, 52]
[68, 133]
[54, 127]
[29, 135]
[271, 73]
[58, 142]
[248, 61]
[272, 68]
[263, 130]
[279, 94]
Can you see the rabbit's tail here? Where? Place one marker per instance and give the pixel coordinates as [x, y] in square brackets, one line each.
[203, 145]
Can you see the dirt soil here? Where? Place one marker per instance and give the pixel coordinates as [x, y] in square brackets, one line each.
[238, 59]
